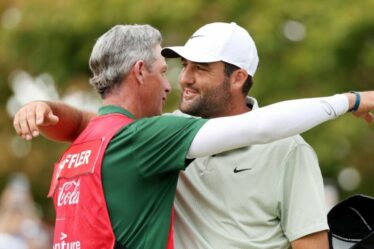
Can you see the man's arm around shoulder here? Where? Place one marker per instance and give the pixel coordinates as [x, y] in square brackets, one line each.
[56, 120]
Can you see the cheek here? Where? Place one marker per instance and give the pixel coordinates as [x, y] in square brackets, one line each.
[206, 87]
[155, 86]
[157, 93]
[160, 89]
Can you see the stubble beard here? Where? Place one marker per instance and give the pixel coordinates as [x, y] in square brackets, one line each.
[210, 105]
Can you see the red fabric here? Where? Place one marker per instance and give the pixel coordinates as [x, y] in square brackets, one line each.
[82, 219]
[170, 243]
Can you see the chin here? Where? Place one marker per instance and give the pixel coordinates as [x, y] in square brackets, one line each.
[154, 113]
[186, 105]
[183, 109]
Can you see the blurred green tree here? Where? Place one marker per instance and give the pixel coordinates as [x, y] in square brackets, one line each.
[307, 48]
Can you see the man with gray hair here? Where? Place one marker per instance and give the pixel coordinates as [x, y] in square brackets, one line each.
[115, 186]
[116, 52]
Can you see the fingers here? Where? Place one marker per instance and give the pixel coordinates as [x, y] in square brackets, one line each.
[44, 116]
[17, 124]
[52, 119]
[30, 122]
[21, 125]
[39, 115]
[28, 119]
[369, 117]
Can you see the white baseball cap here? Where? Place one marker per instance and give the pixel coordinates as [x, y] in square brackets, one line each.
[219, 41]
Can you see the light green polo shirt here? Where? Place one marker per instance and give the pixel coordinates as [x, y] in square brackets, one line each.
[256, 197]
[140, 172]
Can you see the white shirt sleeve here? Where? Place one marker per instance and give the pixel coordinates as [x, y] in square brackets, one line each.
[265, 124]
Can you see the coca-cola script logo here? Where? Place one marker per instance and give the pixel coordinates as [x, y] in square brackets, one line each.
[68, 193]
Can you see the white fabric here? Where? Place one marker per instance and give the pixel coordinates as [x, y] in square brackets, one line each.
[278, 199]
[219, 41]
[8, 241]
[265, 124]
[262, 196]
[341, 244]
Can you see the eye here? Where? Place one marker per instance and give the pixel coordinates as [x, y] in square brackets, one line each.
[163, 70]
[200, 67]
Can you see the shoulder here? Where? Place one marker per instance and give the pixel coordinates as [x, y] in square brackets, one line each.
[176, 113]
[161, 128]
[170, 121]
[288, 144]
[295, 141]
[273, 153]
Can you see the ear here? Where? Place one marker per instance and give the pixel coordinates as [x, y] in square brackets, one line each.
[238, 78]
[138, 71]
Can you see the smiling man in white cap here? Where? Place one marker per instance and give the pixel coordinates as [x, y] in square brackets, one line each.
[262, 196]
[214, 42]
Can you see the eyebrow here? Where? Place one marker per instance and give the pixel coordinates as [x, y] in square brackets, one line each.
[204, 64]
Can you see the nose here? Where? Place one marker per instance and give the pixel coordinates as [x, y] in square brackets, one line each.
[167, 86]
[186, 76]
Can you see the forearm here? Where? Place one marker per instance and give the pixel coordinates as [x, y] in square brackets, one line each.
[266, 124]
[71, 122]
[316, 240]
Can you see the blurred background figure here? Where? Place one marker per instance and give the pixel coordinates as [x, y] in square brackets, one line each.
[20, 223]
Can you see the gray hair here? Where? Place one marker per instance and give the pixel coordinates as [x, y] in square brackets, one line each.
[116, 52]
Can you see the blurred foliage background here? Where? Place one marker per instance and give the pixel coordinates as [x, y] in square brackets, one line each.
[307, 48]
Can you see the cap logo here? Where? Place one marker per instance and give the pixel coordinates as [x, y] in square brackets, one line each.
[195, 36]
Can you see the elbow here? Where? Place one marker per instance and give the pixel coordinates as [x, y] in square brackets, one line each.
[265, 134]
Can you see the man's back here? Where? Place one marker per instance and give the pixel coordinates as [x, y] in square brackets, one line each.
[139, 175]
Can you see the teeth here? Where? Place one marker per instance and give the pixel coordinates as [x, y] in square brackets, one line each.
[188, 91]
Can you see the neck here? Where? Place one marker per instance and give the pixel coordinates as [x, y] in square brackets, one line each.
[126, 96]
[127, 104]
[240, 109]
[238, 106]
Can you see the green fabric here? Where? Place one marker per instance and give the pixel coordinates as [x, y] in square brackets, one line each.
[140, 173]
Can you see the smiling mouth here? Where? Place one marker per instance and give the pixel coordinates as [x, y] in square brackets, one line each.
[189, 93]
